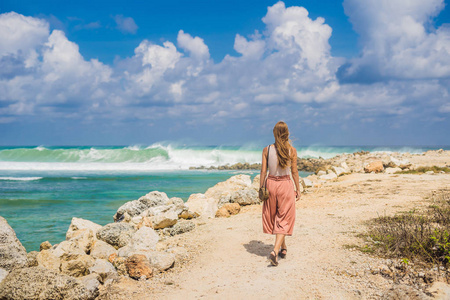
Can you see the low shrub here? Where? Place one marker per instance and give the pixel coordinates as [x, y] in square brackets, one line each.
[418, 235]
[421, 170]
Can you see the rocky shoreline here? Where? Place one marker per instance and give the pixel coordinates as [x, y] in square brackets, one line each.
[355, 160]
[94, 258]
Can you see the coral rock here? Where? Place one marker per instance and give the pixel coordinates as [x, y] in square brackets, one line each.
[137, 266]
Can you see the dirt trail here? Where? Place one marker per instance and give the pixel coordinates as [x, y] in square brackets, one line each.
[230, 255]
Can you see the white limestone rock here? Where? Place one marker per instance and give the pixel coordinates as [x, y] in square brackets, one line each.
[307, 182]
[161, 261]
[12, 253]
[80, 224]
[203, 206]
[164, 220]
[234, 183]
[339, 171]
[136, 207]
[329, 176]
[103, 268]
[245, 197]
[116, 234]
[143, 240]
[102, 250]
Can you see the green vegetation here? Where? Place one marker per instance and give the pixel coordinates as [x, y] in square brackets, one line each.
[421, 170]
[417, 235]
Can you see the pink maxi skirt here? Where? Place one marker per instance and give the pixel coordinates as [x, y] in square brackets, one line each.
[278, 212]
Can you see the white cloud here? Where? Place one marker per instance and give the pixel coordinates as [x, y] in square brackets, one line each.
[20, 33]
[249, 49]
[398, 40]
[126, 24]
[195, 46]
[285, 72]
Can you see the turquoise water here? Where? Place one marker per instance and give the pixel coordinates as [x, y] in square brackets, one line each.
[41, 209]
[42, 188]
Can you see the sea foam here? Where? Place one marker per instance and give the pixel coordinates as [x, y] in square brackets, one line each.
[155, 157]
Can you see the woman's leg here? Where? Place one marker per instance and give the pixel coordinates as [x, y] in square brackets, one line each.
[283, 246]
[279, 241]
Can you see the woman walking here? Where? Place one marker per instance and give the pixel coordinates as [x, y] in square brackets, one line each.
[279, 160]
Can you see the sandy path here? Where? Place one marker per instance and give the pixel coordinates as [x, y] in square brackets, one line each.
[230, 259]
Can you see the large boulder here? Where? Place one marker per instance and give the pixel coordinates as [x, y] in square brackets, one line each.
[143, 240]
[245, 197]
[47, 259]
[63, 252]
[83, 238]
[41, 283]
[228, 209]
[138, 266]
[67, 250]
[81, 224]
[340, 170]
[161, 261]
[91, 282]
[103, 268]
[223, 190]
[136, 207]
[119, 264]
[329, 176]
[308, 182]
[116, 234]
[222, 213]
[12, 253]
[179, 228]
[202, 205]
[232, 208]
[77, 267]
[45, 246]
[400, 162]
[164, 220]
[375, 166]
[102, 250]
[233, 183]
[181, 254]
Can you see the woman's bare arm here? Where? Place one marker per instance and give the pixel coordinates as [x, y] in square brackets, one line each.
[263, 168]
[294, 171]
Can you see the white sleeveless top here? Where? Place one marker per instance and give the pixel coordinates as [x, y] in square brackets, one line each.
[274, 167]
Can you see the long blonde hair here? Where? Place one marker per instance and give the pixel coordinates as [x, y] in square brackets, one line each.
[282, 143]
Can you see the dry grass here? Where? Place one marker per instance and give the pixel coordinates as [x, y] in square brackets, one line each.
[418, 235]
[421, 170]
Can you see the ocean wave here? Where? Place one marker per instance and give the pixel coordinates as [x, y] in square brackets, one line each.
[21, 178]
[158, 156]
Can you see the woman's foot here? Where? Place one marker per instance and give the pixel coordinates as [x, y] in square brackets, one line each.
[283, 253]
[273, 258]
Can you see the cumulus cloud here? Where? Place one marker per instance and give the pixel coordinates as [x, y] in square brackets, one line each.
[126, 24]
[398, 41]
[194, 46]
[284, 72]
[19, 33]
[44, 72]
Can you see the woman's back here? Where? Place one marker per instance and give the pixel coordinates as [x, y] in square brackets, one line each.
[274, 167]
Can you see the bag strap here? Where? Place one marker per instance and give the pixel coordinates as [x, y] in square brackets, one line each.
[267, 166]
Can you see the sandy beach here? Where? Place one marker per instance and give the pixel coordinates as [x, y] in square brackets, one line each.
[226, 258]
[229, 255]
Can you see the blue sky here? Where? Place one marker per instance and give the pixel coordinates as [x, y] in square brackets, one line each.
[373, 72]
